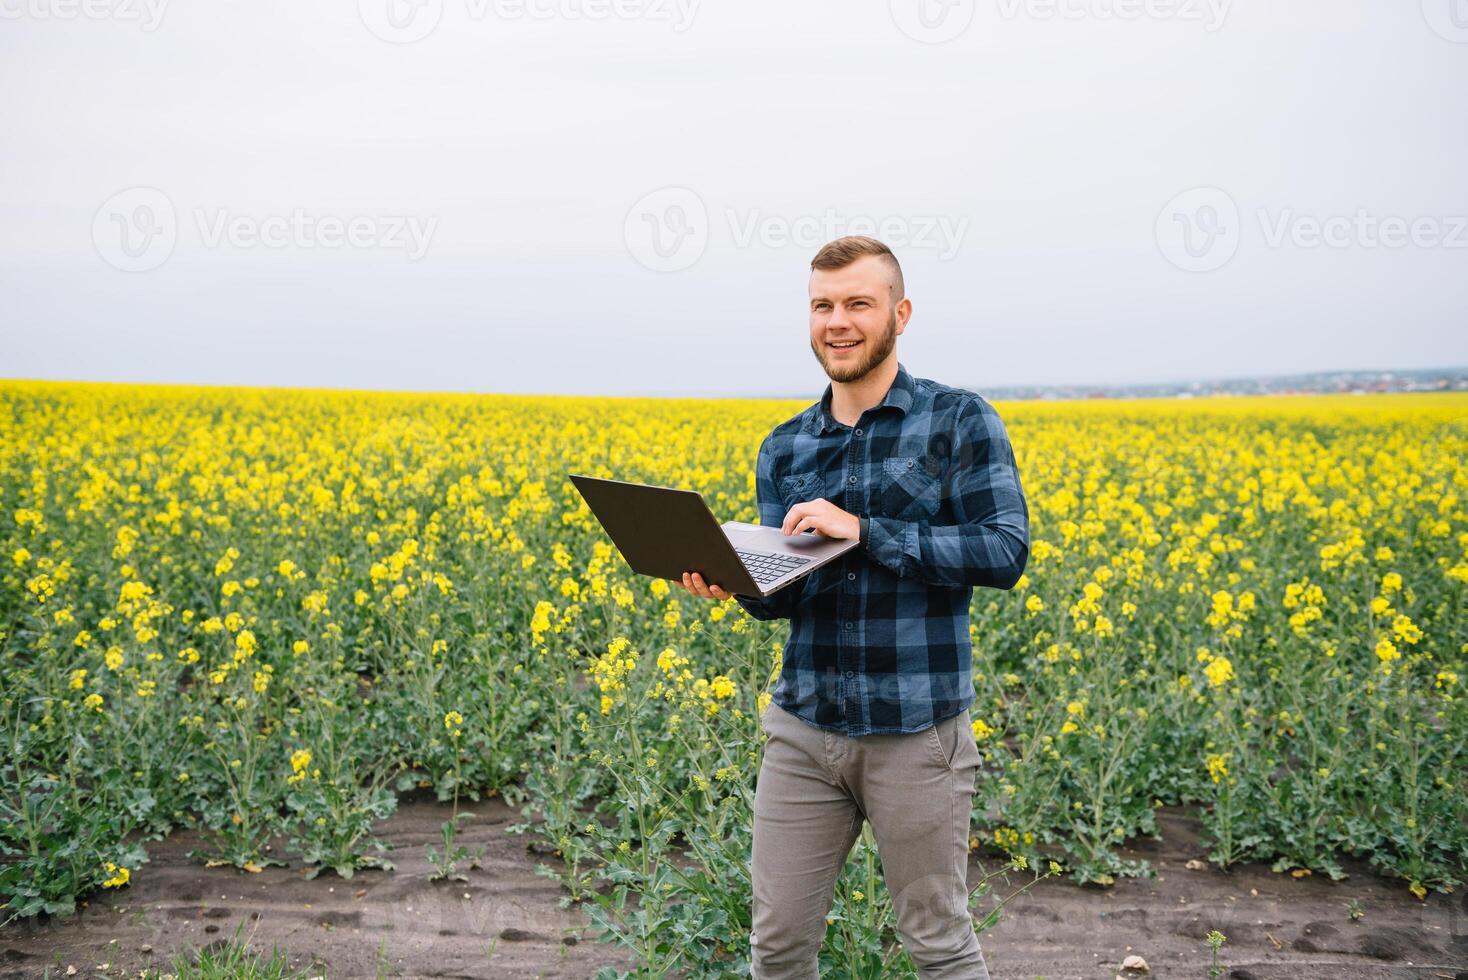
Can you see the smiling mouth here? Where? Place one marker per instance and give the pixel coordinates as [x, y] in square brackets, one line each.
[842, 344]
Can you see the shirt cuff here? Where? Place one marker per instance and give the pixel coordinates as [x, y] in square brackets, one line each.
[893, 543]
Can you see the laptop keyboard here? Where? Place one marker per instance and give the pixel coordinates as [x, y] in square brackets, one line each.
[765, 569]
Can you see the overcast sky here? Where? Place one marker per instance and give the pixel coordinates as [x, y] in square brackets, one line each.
[623, 196]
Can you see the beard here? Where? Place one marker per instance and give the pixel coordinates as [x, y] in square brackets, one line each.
[875, 355]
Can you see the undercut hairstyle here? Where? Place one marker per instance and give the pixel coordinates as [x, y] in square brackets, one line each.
[844, 251]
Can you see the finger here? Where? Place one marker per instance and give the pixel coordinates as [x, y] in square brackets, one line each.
[718, 592]
[794, 515]
[703, 590]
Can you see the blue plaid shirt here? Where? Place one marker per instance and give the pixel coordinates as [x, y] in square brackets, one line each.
[879, 638]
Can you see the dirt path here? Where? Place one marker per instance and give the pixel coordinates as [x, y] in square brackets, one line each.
[1278, 927]
[505, 921]
[395, 923]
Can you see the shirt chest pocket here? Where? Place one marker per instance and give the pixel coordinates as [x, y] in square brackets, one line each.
[910, 490]
[798, 488]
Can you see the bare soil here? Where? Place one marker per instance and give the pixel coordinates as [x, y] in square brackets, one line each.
[506, 922]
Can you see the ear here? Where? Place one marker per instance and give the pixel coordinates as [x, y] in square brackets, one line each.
[904, 313]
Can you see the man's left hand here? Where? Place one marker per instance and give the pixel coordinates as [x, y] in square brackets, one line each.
[825, 517]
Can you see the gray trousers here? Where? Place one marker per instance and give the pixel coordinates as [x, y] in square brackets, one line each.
[814, 789]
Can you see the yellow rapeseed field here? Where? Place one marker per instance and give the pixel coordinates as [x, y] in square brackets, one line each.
[263, 611]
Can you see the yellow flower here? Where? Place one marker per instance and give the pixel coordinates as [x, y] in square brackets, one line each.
[1220, 671]
[451, 721]
[245, 646]
[300, 761]
[117, 876]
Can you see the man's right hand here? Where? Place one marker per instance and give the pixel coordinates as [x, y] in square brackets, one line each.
[694, 583]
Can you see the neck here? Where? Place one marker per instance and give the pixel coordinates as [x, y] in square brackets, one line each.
[850, 398]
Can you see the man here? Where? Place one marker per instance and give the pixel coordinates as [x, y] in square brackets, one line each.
[870, 717]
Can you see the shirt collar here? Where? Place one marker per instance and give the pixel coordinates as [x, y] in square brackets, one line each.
[899, 397]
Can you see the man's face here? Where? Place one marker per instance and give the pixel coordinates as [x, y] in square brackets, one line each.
[853, 321]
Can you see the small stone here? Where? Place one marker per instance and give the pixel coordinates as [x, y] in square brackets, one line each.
[145, 948]
[1196, 865]
[1135, 962]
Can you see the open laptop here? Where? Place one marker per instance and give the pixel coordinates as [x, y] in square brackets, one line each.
[665, 532]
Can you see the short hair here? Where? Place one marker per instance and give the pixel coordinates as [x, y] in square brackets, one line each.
[842, 252]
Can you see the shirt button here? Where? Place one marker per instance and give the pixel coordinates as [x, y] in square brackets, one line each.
[851, 576]
[851, 626]
[851, 479]
[858, 432]
[851, 673]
